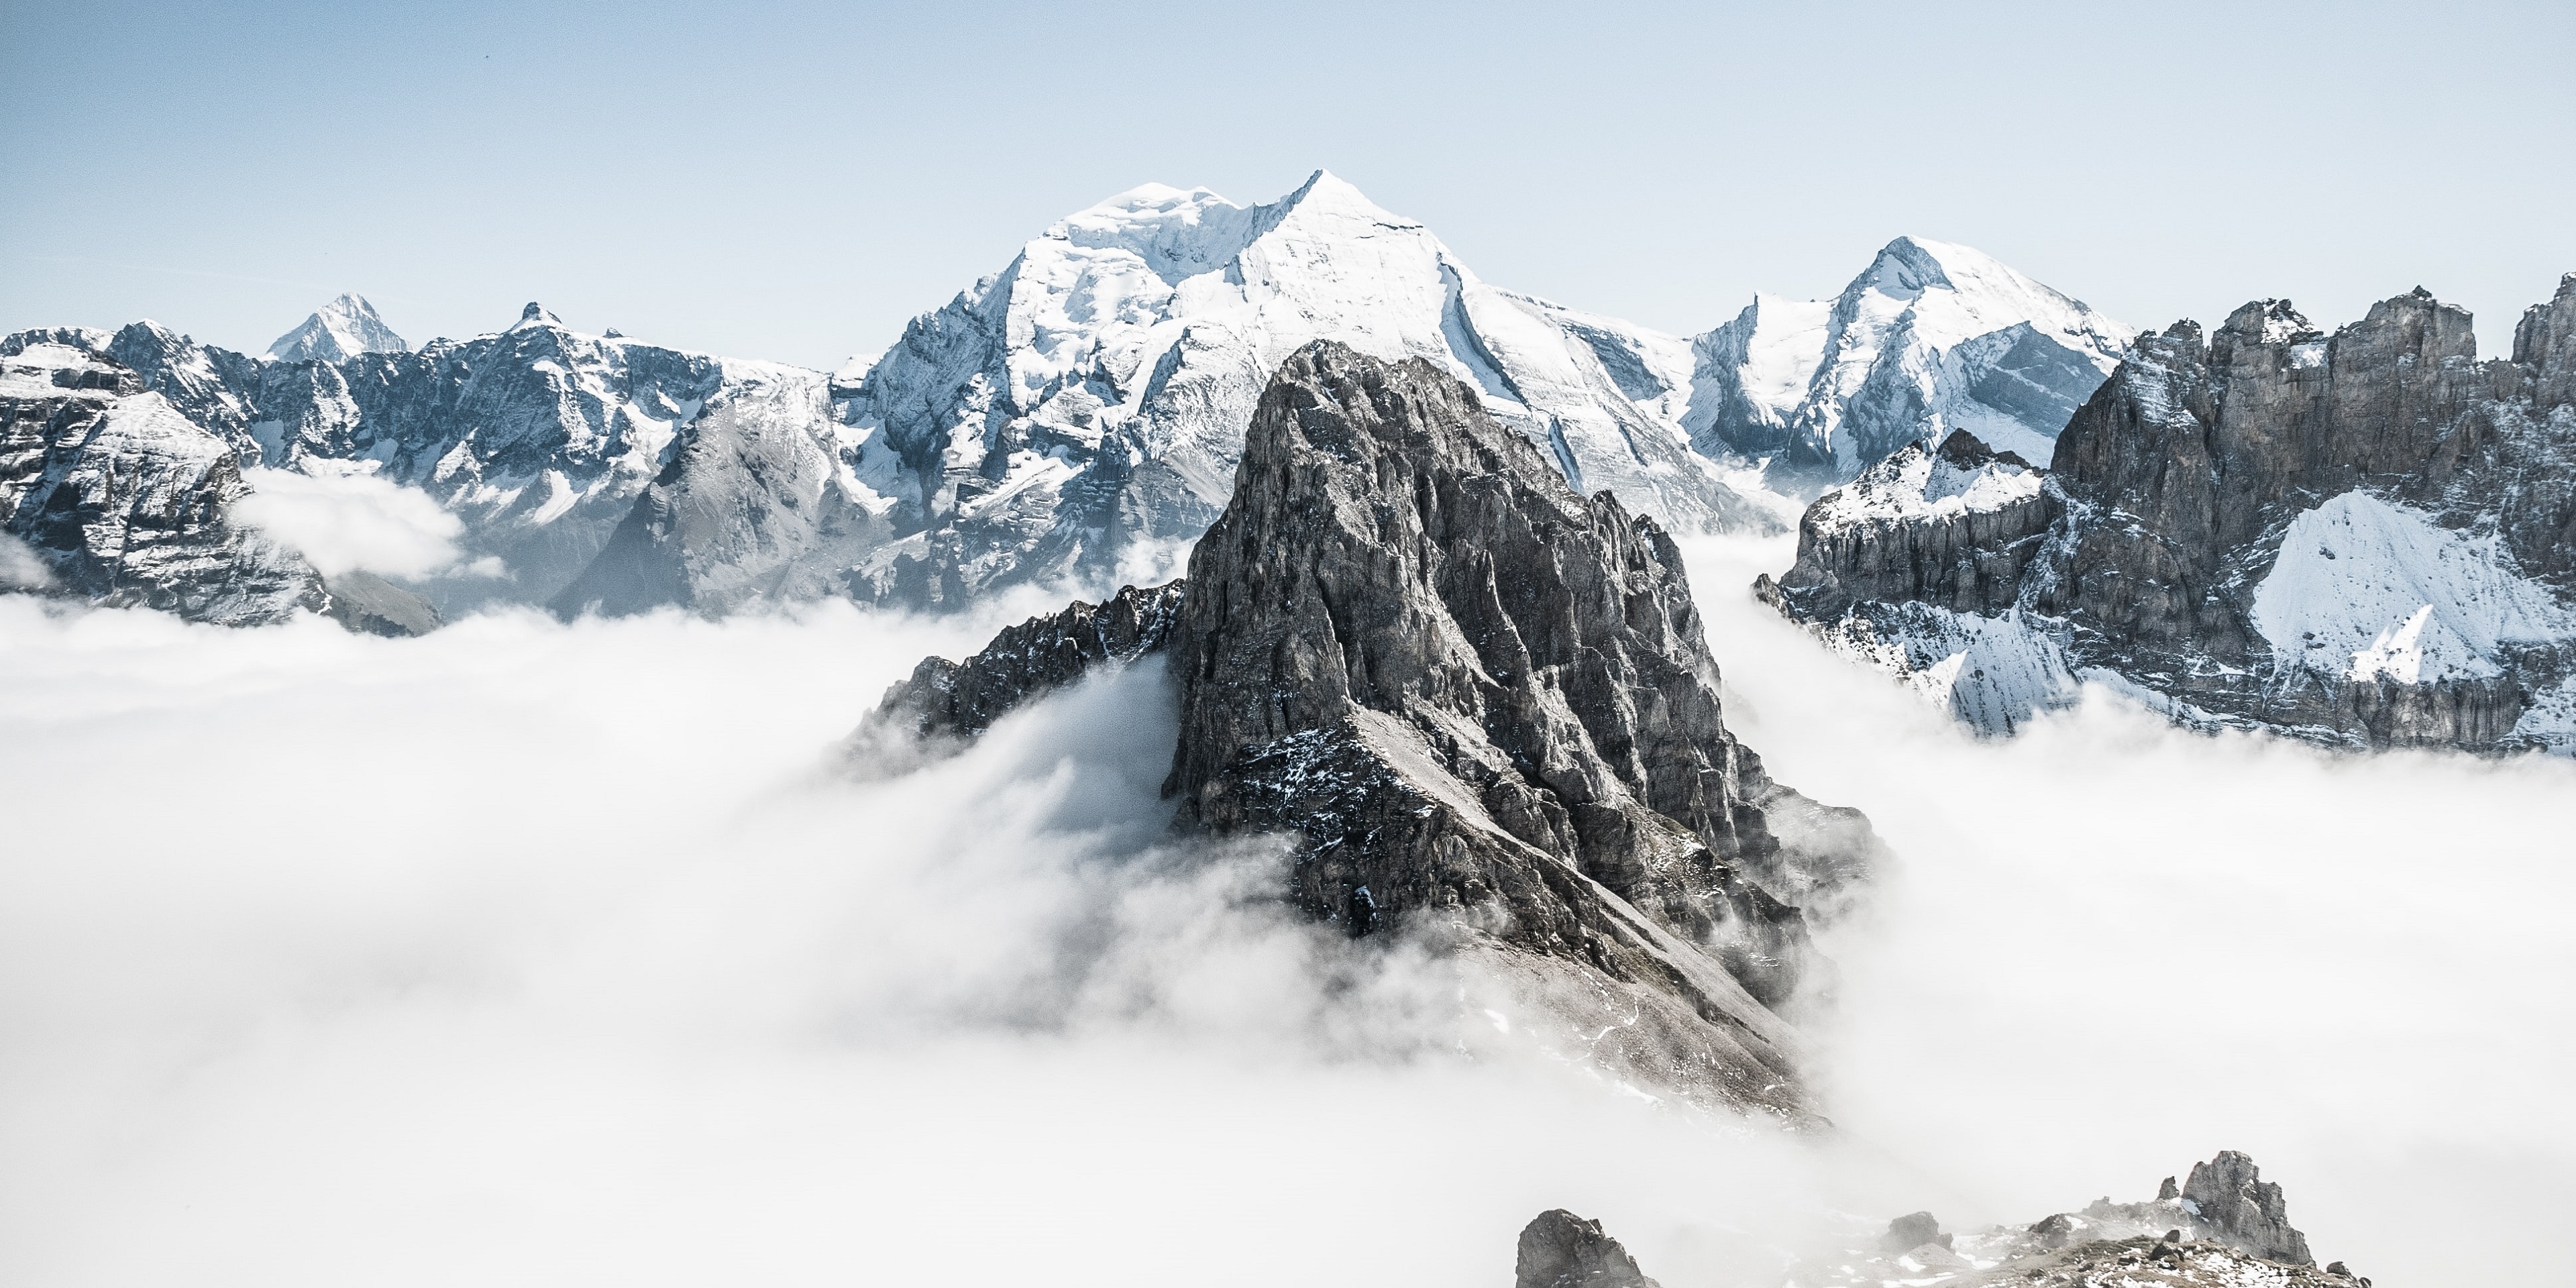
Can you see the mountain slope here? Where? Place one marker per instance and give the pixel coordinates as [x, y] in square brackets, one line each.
[1082, 411]
[1931, 338]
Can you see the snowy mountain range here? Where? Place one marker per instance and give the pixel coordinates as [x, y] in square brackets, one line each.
[1078, 414]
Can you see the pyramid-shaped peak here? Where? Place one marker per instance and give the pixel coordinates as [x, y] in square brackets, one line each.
[342, 329]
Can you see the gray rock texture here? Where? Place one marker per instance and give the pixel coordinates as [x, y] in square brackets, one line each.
[944, 699]
[2225, 1230]
[1561, 1250]
[2229, 1195]
[1483, 706]
[2154, 554]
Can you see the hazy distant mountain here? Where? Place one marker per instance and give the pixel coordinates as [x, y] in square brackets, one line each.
[344, 328]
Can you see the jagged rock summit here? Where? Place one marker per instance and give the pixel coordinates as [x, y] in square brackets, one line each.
[2364, 539]
[1561, 1250]
[340, 330]
[1482, 705]
[2225, 1229]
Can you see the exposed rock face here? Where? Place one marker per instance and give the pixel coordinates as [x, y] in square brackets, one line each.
[2228, 1194]
[1561, 1250]
[1028, 661]
[1483, 704]
[125, 501]
[2367, 539]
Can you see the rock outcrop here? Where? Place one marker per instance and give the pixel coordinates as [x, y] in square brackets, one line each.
[2366, 539]
[2229, 1195]
[1561, 1250]
[1482, 705]
[2226, 1229]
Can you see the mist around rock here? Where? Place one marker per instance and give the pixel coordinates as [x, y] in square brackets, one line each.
[534, 949]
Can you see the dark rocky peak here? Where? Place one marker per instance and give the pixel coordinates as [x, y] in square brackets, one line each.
[536, 315]
[947, 700]
[1561, 1250]
[2545, 343]
[2230, 1196]
[1483, 708]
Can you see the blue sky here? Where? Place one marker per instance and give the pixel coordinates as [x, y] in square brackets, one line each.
[794, 181]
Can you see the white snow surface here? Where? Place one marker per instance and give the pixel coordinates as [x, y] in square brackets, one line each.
[1932, 337]
[2365, 589]
[339, 330]
[1147, 326]
[1918, 483]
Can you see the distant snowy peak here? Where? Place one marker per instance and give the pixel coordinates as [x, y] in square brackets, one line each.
[1932, 337]
[340, 330]
[1093, 394]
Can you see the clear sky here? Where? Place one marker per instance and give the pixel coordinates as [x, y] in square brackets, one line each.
[795, 180]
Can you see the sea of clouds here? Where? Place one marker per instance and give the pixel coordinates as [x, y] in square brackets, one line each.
[528, 952]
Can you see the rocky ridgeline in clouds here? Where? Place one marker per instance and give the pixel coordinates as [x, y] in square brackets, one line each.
[1079, 414]
[2224, 1228]
[2366, 538]
[1482, 705]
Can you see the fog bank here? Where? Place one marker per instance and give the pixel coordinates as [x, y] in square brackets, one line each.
[552, 953]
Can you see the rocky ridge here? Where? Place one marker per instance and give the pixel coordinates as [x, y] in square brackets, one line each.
[1483, 706]
[2226, 1228]
[2363, 539]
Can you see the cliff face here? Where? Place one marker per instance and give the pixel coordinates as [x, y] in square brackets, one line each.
[2366, 538]
[1483, 706]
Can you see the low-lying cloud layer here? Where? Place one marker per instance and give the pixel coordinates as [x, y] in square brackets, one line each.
[356, 522]
[538, 952]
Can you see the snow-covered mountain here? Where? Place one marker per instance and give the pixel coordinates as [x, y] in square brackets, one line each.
[109, 490]
[1929, 339]
[344, 328]
[1079, 414]
[2364, 538]
[1082, 410]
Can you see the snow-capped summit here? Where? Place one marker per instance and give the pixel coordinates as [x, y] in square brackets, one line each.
[1093, 395]
[1932, 337]
[342, 329]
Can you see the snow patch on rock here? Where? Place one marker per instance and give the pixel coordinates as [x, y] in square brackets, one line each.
[2365, 589]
